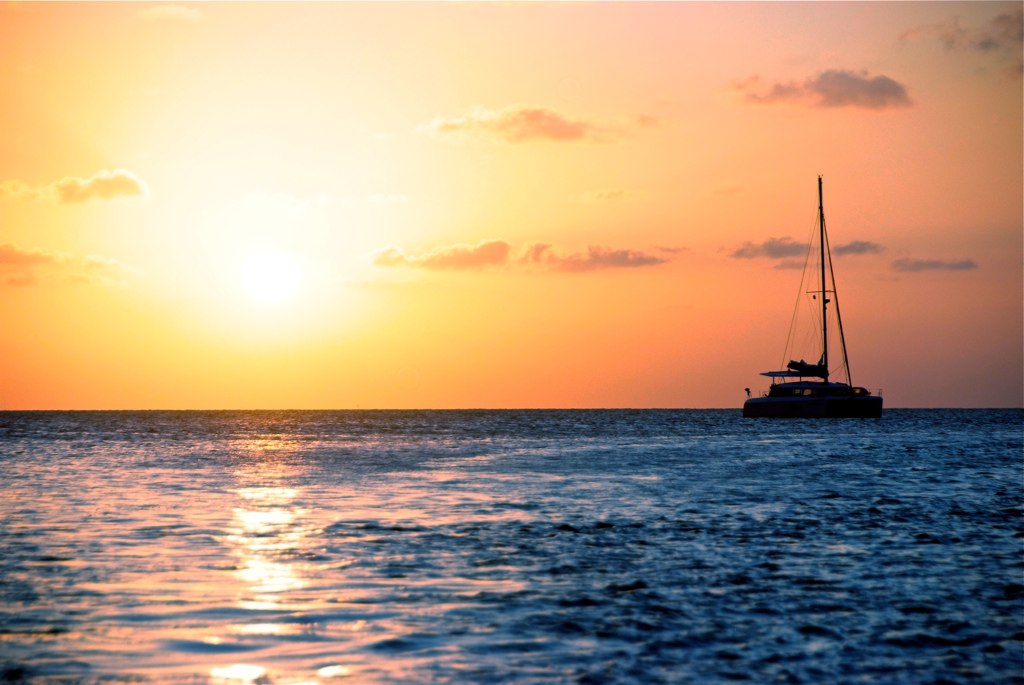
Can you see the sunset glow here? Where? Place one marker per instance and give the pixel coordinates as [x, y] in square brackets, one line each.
[344, 205]
[271, 277]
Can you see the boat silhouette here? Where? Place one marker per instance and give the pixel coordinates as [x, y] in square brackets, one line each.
[814, 394]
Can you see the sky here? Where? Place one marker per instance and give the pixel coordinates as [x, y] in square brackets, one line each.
[486, 205]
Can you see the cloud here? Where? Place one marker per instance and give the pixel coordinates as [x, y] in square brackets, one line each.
[773, 248]
[18, 267]
[950, 33]
[12, 256]
[19, 190]
[392, 256]
[499, 253]
[786, 250]
[1000, 39]
[914, 265]
[171, 13]
[832, 88]
[858, 247]
[847, 89]
[16, 264]
[517, 124]
[523, 123]
[484, 253]
[105, 185]
[1003, 32]
[593, 258]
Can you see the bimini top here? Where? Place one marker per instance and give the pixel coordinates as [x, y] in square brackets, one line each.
[800, 369]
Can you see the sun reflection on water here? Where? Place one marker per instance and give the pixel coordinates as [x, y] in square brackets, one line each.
[238, 673]
[286, 577]
[271, 530]
[271, 535]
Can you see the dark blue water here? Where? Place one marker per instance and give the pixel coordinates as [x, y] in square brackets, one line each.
[508, 546]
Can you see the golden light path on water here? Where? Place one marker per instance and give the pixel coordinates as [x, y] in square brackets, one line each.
[271, 535]
[285, 576]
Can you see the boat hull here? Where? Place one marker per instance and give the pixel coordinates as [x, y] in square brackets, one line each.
[857, 407]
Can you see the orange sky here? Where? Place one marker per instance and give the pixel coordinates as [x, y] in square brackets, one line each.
[342, 205]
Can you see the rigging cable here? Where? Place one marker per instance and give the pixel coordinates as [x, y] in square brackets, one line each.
[839, 318]
[787, 351]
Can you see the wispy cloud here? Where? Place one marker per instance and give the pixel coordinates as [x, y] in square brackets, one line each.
[19, 267]
[104, 185]
[786, 250]
[13, 256]
[522, 123]
[517, 124]
[773, 248]
[858, 247]
[188, 14]
[593, 258]
[19, 190]
[462, 256]
[914, 265]
[831, 88]
[496, 253]
[1005, 31]
[1001, 37]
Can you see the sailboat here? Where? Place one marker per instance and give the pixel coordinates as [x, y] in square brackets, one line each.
[813, 394]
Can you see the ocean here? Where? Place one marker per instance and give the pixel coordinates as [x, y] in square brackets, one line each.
[614, 546]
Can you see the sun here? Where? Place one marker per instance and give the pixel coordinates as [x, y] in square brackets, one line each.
[271, 277]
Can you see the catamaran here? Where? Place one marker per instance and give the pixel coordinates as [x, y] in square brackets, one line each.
[813, 394]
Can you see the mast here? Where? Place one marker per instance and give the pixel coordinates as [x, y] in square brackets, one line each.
[839, 316]
[824, 292]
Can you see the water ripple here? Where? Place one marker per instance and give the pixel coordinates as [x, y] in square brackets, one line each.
[407, 547]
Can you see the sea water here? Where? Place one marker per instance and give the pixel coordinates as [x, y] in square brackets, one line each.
[511, 547]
